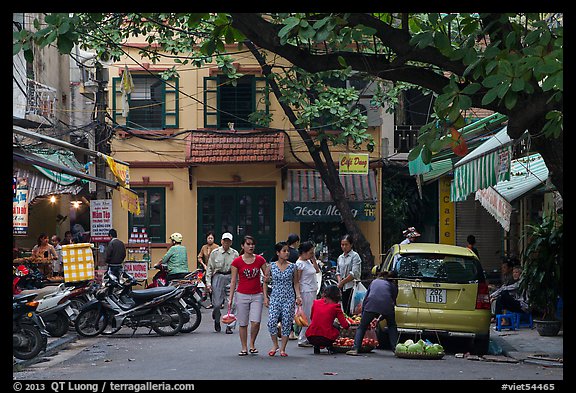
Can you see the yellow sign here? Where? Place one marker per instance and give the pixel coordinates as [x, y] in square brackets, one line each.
[446, 213]
[120, 171]
[354, 164]
[129, 200]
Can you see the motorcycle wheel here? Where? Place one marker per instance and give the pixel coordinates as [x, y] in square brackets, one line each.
[33, 342]
[90, 323]
[59, 326]
[176, 315]
[195, 316]
[77, 303]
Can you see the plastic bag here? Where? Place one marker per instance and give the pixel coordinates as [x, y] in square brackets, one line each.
[300, 318]
[228, 318]
[358, 294]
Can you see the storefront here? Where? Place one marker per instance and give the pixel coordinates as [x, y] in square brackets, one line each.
[309, 202]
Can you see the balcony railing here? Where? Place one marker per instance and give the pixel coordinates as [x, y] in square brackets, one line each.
[41, 99]
[405, 137]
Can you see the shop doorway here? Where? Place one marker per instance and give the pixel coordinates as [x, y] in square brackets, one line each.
[327, 233]
[240, 211]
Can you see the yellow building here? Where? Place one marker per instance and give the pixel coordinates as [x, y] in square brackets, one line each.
[195, 171]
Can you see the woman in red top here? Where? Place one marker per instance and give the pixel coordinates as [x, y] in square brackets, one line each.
[249, 296]
[322, 332]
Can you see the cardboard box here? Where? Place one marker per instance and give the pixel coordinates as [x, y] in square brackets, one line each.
[78, 262]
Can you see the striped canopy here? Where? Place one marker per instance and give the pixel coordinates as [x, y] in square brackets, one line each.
[482, 172]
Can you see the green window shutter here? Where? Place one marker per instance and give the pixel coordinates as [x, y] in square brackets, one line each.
[211, 117]
[170, 106]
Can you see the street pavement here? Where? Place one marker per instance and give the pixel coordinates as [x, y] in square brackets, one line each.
[523, 345]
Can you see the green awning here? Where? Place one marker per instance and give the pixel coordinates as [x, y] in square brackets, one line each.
[526, 174]
[487, 165]
[469, 132]
[61, 157]
[439, 168]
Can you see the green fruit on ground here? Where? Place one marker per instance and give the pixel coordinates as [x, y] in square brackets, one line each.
[415, 348]
[401, 348]
[409, 342]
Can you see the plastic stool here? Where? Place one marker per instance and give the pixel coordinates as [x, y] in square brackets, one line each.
[523, 319]
[511, 317]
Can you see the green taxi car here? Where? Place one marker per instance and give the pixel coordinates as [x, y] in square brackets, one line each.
[442, 292]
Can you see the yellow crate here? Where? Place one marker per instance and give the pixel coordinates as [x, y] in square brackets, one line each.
[78, 262]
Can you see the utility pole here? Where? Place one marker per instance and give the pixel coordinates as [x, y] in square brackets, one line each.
[101, 137]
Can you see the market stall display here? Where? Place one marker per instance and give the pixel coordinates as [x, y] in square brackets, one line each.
[419, 350]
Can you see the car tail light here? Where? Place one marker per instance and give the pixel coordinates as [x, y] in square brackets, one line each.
[483, 296]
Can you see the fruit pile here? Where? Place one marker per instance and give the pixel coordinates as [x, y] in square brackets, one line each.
[420, 348]
[368, 344]
[354, 319]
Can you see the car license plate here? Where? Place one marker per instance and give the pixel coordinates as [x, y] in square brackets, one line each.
[435, 295]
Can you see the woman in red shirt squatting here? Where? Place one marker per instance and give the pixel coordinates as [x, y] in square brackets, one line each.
[249, 296]
[322, 332]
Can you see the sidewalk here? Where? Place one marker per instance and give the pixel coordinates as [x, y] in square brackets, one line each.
[528, 346]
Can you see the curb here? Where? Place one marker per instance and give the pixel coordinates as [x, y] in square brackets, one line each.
[52, 347]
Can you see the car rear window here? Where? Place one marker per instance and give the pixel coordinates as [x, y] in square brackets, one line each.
[439, 267]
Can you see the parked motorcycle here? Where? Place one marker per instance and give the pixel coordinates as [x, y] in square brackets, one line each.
[56, 311]
[117, 304]
[27, 276]
[29, 335]
[194, 293]
[80, 293]
[327, 276]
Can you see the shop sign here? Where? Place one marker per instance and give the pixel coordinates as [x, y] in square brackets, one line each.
[327, 211]
[137, 269]
[446, 209]
[19, 206]
[354, 164]
[100, 220]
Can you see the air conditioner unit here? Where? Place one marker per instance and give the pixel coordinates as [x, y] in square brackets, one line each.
[373, 112]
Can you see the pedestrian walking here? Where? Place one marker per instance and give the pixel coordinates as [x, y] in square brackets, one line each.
[204, 255]
[471, 244]
[218, 278]
[348, 269]
[307, 268]
[115, 253]
[283, 298]
[247, 286]
[379, 302]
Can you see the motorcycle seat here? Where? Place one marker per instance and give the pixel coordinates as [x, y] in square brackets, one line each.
[24, 296]
[139, 294]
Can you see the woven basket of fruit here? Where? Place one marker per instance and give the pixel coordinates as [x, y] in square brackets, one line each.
[419, 350]
[344, 344]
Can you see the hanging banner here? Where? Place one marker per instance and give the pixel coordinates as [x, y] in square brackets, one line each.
[100, 220]
[354, 164]
[497, 206]
[129, 200]
[19, 206]
[121, 172]
[446, 210]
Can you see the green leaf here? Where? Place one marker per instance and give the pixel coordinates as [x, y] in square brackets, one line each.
[518, 84]
[426, 155]
[490, 96]
[16, 48]
[503, 89]
[510, 100]
[65, 45]
[465, 102]
[493, 80]
[472, 88]
[414, 153]
[342, 61]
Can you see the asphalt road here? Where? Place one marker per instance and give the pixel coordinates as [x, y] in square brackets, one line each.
[207, 355]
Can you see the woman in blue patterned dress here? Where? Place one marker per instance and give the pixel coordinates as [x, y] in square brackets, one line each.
[285, 293]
